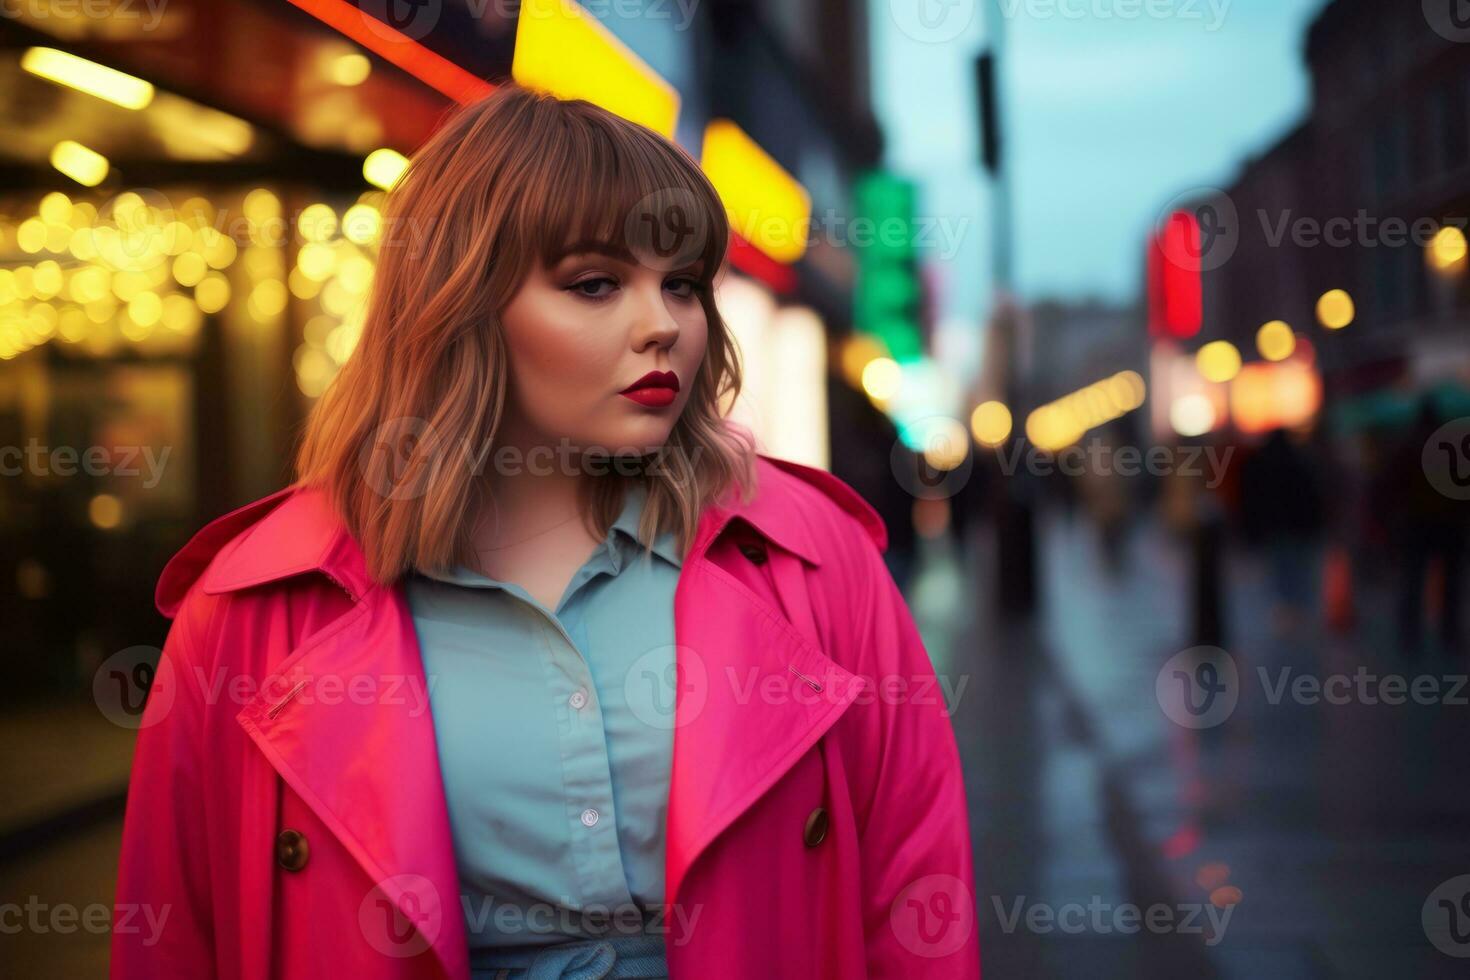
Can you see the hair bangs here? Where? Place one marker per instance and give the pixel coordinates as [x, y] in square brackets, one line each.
[623, 188]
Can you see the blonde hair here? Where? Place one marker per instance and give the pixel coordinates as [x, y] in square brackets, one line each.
[506, 181]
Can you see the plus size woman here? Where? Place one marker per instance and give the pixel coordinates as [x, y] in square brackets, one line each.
[539, 668]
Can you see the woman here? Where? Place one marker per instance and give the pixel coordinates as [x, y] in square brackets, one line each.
[539, 669]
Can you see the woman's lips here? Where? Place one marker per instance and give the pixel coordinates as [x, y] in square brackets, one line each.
[656, 389]
[651, 397]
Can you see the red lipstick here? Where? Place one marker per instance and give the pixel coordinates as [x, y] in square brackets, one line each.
[656, 389]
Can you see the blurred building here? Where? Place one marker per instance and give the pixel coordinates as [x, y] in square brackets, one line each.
[188, 225]
[1346, 236]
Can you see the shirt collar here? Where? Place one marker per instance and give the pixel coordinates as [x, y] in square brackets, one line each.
[623, 534]
[622, 544]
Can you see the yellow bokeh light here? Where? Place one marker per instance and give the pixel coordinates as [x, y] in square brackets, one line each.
[71, 326]
[355, 274]
[317, 261]
[87, 76]
[1276, 341]
[362, 224]
[31, 235]
[105, 511]
[857, 350]
[260, 206]
[881, 378]
[941, 440]
[1132, 389]
[180, 314]
[268, 299]
[83, 244]
[991, 423]
[189, 268]
[382, 168]
[218, 250]
[46, 281]
[145, 309]
[1051, 428]
[1218, 361]
[350, 69]
[1447, 250]
[317, 223]
[55, 207]
[1335, 309]
[90, 283]
[303, 286]
[82, 164]
[213, 293]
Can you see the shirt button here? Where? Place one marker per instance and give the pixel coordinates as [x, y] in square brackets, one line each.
[578, 699]
[754, 551]
[589, 816]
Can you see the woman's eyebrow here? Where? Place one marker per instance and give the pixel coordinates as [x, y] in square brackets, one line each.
[612, 250]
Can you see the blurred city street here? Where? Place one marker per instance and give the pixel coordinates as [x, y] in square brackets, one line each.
[1334, 822]
[1143, 327]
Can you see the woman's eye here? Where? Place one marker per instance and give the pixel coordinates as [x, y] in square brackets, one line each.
[683, 288]
[592, 288]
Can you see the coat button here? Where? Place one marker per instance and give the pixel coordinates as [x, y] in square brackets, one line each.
[816, 827]
[292, 850]
[755, 551]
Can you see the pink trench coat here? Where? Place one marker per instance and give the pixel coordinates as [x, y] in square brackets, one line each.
[286, 817]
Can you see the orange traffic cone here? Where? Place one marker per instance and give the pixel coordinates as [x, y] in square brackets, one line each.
[1337, 589]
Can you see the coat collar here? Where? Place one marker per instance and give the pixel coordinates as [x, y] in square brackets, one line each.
[296, 530]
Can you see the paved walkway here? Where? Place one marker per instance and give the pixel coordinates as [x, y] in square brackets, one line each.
[1309, 835]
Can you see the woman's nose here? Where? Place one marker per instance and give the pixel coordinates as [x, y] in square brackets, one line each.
[652, 320]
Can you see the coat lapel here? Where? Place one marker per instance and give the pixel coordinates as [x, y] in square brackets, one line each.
[368, 766]
[753, 697]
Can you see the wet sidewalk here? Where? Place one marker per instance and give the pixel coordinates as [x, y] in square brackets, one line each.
[1290, 837]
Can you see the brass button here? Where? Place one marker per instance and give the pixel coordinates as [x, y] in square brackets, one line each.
[755, 551]
[292, 850]
[816, 827]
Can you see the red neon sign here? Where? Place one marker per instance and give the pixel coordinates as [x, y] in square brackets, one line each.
[1175, 287]
[433, 70]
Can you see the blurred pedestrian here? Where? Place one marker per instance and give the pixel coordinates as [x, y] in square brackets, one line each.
[1282, 508]
[1429, 532]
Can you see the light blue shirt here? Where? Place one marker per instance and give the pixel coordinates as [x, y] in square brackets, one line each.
[555, 736]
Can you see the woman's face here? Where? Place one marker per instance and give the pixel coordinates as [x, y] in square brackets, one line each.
[584, 331]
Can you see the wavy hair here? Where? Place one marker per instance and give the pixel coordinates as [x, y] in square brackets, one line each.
[504, 182]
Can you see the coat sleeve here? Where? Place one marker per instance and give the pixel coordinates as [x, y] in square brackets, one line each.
[162, 920]
[917, 865]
